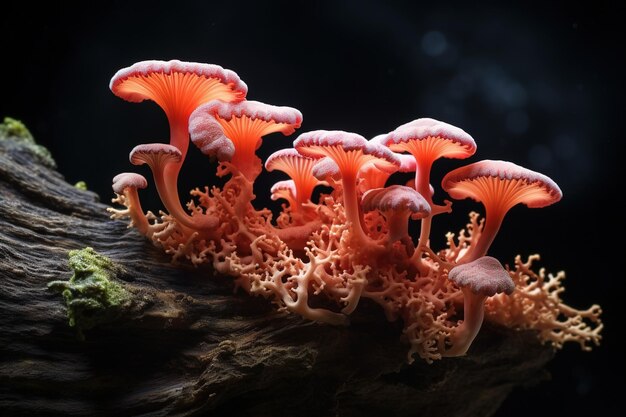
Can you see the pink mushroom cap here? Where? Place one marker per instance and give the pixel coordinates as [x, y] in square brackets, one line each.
[395, 198]
[223, 129]
[147, 80]
[501, 183]
[431, 139]
[154, 154]
[336, 143]
[286, 185]
[485, 276]
[325, 168]
[128, 180]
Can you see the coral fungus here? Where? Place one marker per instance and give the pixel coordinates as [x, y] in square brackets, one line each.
[353, 242]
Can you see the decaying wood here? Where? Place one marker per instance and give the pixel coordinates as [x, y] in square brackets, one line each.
[188, 345]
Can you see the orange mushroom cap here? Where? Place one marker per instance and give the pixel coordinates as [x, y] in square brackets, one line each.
[430, 139]
[298, 167]
[349, 151]
[427, 140]
[501, 184]
[373, 177]
[156, 155]
[284, 189]
[177, 86]
[215, 124]
[407, 162]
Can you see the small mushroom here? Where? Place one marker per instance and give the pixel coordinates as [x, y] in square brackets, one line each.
[326, 170]
[397, 203]
[428, 140]
[158, 156]
[499, 185]
[127, 183]
[299, 168]
[285, 190]
[478, 280]
[372, 177]
[233, 132]
[350, 152]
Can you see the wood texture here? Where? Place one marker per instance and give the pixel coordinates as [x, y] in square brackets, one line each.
[188, 345]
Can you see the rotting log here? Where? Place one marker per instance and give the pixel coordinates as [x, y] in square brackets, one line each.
[186, 344]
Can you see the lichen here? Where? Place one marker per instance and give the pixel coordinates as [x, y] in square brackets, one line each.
[92, 295]
[14, 130]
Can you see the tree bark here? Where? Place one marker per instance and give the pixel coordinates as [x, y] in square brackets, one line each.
[187, 344]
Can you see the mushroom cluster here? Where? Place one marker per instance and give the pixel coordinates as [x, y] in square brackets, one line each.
[353, 242]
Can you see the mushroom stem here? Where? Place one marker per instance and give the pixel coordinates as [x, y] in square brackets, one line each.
[179, 135]
[422, 185]
[165, 184]
[135, 211]
[351, 204]
[421, 244]
[398, 225]
[465, 333]
[493, 221]
[249, 165]
[422, 179]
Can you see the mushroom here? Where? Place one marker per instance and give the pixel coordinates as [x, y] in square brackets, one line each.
[158, 156]
[371, 177]
[397, 203]
[285, 190]
[299, 168]
[479, 279]
[499, 185]
[428, 140]
[178, 88]
[127, 184]
[215, 124]
[350, 152]
[327, 171]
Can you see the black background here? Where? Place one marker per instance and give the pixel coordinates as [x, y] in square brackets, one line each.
[540, 85]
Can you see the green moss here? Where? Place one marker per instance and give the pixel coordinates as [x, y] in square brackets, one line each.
[92, 295]
[81, 185]
[14, 130]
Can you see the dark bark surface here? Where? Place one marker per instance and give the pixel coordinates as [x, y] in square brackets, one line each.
[186, 344]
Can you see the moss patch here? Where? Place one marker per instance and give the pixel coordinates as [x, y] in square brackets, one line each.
[92, 295]
[81, 185]
[14, 130]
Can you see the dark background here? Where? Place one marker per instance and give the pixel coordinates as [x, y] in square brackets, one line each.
[538, 85]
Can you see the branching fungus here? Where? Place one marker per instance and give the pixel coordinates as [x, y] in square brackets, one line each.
[354, 242]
